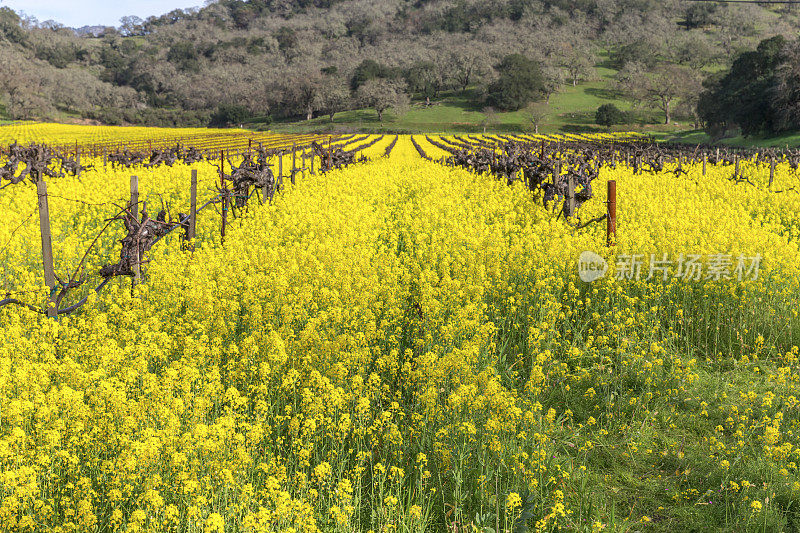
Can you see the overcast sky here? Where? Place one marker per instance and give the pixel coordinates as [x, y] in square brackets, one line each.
[77, 13]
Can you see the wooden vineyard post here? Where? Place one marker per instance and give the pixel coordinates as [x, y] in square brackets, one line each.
[705, 159]
[192, 232]
[303, 168]
[133, 207]
[556, 176]
[280, 170]
[77, 159]
[312, 163]
[105, 157]
[139, 257]
[294, 161]
[736, 165]
[265, 194]
[571, 195]
[224, 194]
[771, 169]
[47, 246]
[330, 154]
[611, 218]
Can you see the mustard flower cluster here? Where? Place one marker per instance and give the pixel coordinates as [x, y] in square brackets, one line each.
[402, 346]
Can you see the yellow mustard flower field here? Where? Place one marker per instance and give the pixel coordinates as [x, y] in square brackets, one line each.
[400, 345]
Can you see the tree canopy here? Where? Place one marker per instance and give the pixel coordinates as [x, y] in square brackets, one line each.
[297, 58]
[749, 95]
[520, 82]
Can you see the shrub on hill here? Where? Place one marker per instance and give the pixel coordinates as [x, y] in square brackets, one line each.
[520, 82]
[608, 115]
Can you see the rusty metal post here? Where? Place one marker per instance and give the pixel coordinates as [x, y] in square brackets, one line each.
[611, 219]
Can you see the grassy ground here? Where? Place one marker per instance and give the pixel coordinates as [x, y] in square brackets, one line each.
[700, 137]
[572, 109]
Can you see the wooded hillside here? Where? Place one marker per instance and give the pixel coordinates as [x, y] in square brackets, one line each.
[276, 58]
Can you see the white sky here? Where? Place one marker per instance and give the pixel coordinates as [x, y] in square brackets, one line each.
[77, 13]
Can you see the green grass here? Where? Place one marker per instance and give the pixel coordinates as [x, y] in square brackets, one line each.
[700, 137]
[452, 112]
[572, 109]
[569, 111]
